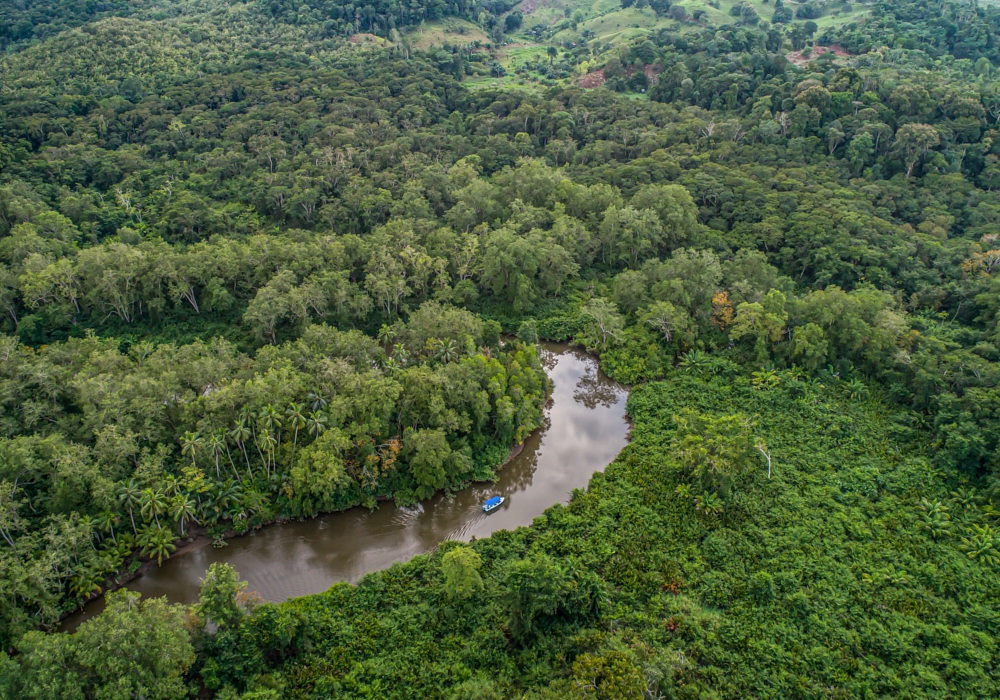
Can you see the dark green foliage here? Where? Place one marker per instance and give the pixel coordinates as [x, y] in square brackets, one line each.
[23, 21]
[818, 579]
[249, 270]
[937, 28]
[134, 649]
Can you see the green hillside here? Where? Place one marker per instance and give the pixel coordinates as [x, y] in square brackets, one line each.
[267, 260]
[589, 33]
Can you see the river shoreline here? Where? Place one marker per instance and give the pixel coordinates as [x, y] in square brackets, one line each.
[198, 536]
[578, 436]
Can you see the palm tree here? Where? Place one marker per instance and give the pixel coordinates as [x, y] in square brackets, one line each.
[981, 545]
[171, 486]
[267, 443]
[158, 543]
[146, 534]
[856, 389]
[695, 361]
[240, 434]
[251, 419]
[225, 495]
[153, 503]
[271, 420]
[296, 420]
[224, 437]
[231, 492]
[795, 373]
[112, 558]
[190, 443]
[90, 525]
[386, 334]
[400, 354]
[129, 498]
[316, 423]
[448, 351]
[106, 522]
[84, 583]
[182, 509]
[317, 399]
[252, 501]
[215, 445]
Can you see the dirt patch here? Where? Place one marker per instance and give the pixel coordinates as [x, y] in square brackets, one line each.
[529, 6]
[597, 78]
[592, 80]
[798, 59]
[364, 38]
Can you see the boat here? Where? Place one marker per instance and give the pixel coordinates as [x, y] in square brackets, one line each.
[493, 503]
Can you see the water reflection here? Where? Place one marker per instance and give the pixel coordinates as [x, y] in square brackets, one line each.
[594, 390]
[585, 429]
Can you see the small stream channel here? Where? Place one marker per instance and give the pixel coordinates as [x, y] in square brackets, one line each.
[585, 429]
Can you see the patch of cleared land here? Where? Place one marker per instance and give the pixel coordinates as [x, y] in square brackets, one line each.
[451, 30]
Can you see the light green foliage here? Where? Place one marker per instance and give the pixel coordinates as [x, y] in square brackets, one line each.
[674, 208]
[714, 451]
[628, 589]
[610, 676]
[219, 599]
[133, 649]
[430, 458]
[628, 235]
[460, 567]
[603, 324]
[688, 280]
[809, 346]
[527, 332]
[443, 323]
[668, 321]
[320, 471]
[764, 322]
[935, 519]
[630, 290]
[250, 270]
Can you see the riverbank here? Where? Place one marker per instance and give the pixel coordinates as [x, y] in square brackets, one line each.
[819, 579]
[585, 426]
[198, 538]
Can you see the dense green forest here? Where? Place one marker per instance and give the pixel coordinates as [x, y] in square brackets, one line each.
[253, 269]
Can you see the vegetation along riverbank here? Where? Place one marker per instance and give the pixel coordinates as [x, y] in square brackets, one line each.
[256, 259]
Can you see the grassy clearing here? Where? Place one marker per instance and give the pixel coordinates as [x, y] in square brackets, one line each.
[615, 25]
[607, 26]
[452, 30]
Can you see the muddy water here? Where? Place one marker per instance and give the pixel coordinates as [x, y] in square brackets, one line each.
[585, 429]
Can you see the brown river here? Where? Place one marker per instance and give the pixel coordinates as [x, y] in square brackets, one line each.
[585, 429]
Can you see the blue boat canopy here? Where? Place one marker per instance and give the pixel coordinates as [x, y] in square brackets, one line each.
[493, 501]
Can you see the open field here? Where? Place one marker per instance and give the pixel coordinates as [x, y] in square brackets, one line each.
[452, 30]
[604, 26]
[613, 24]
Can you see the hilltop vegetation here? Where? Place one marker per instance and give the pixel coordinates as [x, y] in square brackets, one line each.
[252, 269]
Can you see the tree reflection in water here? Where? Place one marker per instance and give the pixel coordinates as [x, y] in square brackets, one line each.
[549, 359]
[522, 469]
[594, 389]
[580, 435]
